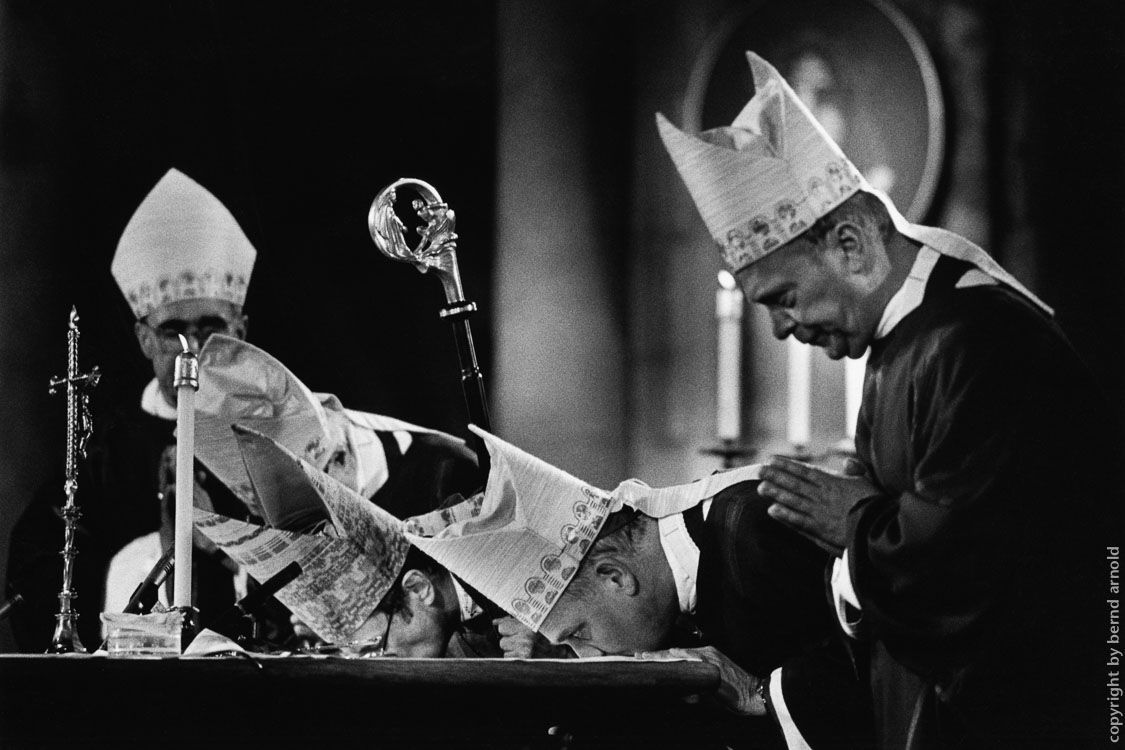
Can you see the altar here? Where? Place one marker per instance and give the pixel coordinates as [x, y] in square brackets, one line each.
[297, 701]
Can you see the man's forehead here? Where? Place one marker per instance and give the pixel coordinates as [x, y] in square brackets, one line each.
[188, 310]
[773, 272]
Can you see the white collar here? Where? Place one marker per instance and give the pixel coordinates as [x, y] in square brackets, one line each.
[910, 294]
[683, 556]
[154, 403]
[469, 608]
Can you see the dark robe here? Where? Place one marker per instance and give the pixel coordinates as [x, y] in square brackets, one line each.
[980, 567]
[761, 601]
[433, 469]
[760, 586]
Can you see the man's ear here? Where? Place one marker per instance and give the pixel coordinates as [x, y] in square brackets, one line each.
[850, 241]
[146, 338]
[617, 576]
[239, 326]
[418, 587]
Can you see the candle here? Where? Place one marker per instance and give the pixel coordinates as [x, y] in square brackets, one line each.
[728, 313]
[186, 382]
[800, 393]
[854, 370]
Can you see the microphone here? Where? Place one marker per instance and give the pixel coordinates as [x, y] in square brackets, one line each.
[146, 592]
[248, 605]
[9, 604]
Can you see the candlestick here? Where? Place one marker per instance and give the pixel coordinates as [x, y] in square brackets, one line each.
[186, 383]
[728, 313]
[854, 370]
[800, 393]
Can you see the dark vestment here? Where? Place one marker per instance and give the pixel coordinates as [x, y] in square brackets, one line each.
[760, 586]
[761, 601]
[427, 475]
[980, 567]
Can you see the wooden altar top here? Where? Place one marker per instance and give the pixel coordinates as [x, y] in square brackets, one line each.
[303, 701]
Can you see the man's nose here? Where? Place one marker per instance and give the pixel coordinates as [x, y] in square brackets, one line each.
[781, 323]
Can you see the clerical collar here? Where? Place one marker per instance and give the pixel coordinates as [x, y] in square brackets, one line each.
[910, 294]
[683, 556]
[154, 403]
[469, 608]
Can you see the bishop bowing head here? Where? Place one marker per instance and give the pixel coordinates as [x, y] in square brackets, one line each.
[580, 565]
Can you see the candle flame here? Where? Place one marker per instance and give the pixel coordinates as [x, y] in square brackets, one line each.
[726, 280]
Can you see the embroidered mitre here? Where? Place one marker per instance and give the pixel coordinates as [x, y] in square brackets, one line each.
[764, 179]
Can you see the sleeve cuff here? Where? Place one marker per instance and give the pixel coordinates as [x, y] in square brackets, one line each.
[848, 611]
[794, 740]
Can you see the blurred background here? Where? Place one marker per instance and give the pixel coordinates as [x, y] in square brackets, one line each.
[595, 277]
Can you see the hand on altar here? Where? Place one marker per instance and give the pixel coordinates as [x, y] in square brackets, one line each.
[813, 501]
[521, 642]
[305, 635]
[738, 689]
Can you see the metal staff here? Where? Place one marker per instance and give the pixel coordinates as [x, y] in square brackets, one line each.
[79, 426]
[437, 252]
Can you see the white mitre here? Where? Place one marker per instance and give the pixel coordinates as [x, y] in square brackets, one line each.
[768, 176]
[181, 243]
[520, 542]
[242, 384]
[764, 179]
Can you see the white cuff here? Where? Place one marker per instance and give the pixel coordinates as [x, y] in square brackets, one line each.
[794, 740]
[844, 597]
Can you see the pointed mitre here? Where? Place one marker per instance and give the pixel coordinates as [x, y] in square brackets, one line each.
[345, 572]
[181, 243]
[242, 384]
[765, 178]
[521, 541]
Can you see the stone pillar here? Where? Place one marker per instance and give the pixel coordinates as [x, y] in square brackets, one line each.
[559, 302]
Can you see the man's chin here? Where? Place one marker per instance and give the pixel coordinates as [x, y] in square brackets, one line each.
[837, 348]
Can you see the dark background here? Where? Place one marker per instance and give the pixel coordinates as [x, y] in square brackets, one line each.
[294, 116]
[534, 119]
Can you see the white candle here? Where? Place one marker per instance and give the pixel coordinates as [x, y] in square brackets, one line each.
[854, 370]
[800, 393]
[728, 313]
[186, 383]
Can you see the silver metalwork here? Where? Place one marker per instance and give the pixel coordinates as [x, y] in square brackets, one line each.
[186, 371]
[437, 248]
[436, 251]
[79, 427]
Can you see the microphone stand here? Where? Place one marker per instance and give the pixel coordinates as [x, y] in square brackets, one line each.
[15, 600]
[145, 595]
[245, 609]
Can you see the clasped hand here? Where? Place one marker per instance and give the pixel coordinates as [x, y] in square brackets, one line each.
[813, 501]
